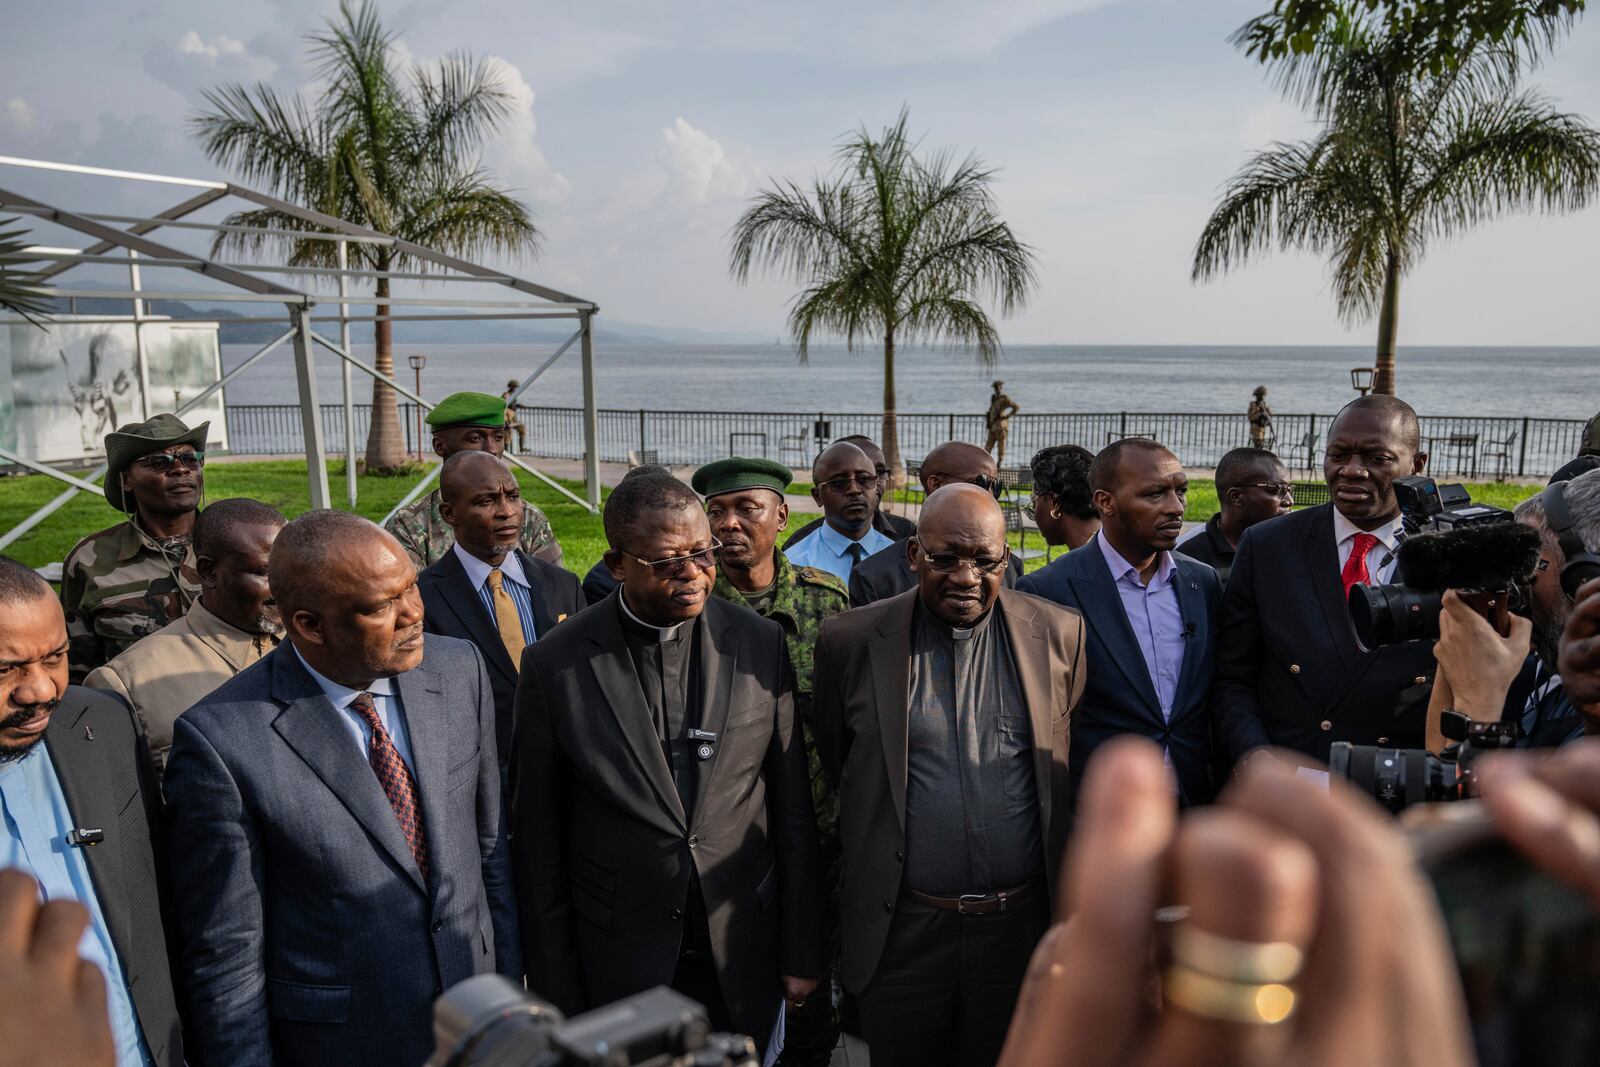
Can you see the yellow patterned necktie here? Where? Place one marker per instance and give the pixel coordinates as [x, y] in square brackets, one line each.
[506, 618]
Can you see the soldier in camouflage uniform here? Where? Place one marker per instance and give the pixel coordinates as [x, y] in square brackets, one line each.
[465, 422]
[131, 579]
[744, 501]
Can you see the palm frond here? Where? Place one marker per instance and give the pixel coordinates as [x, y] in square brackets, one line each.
[19, 290]
[463, 103]
[267, 139]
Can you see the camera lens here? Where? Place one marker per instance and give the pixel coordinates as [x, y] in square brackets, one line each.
[1389, 614]
[1395, 777]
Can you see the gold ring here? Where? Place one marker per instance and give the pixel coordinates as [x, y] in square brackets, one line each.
[1257, 1004]
[1233, 960]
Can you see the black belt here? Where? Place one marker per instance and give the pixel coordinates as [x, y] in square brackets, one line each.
[995, 903]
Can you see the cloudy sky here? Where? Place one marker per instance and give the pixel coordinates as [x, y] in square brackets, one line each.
[642, 127]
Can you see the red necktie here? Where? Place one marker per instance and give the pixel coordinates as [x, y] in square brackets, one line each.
[395, 777]
[1355, 568]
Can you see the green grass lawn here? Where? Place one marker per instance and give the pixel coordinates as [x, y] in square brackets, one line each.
[282, 483]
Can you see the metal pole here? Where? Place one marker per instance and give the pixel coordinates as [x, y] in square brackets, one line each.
[591, 419]
[40, 468]
[305, 373]
[1522, 455]
[138, 332]
[419, 413]
[344, 370]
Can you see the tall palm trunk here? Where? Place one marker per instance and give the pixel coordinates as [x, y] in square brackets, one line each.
[1388, 323]
[891, 425]
[385, 444]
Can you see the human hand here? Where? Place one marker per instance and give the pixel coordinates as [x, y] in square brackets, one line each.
[1549, 808]
[1280, 859]
[796, 990]
[52, 1003]
[1479, 664]
[1580, 653]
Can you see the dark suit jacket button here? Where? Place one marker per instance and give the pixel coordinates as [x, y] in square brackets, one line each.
[1294, 668]
[694, 841]
[1327, 724]
[888, 906]
[676, 913]
[900, 857]
[438, 924]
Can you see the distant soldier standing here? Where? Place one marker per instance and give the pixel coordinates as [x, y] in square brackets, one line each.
[1260, 420]
[465, 422]
[999, 422]
[512, 422]
[131, 579]
[744, 503]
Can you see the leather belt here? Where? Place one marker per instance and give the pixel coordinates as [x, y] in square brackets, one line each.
[995, 903]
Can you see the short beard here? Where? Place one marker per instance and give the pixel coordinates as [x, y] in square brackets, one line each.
[26, 713]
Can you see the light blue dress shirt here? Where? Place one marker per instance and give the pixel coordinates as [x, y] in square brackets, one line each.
[829, 550]
[1155, 618]
[385, 700]
[513, 579]
[37, 822]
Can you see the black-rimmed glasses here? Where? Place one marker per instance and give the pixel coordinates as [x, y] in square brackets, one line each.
[1281, 490]
[949, 562]
[162, 462]
[705, 559]
[843, 482]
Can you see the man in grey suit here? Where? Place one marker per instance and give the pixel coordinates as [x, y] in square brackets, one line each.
[78, 814]
[338, 848]
[662, 809]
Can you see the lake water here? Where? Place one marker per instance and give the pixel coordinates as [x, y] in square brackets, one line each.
[1547, 382]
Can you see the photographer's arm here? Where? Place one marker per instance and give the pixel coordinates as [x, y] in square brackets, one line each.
[1580, 656]
[1476, 665]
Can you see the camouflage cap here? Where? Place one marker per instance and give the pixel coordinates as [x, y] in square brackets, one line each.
[468, 409]
[127, 443]
[732, 475]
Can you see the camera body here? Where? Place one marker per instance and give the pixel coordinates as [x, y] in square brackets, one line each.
[488, 1021]
[1400, 777]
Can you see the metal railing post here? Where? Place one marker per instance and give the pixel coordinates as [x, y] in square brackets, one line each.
[641, 430]
[305, 373]
[344, 369]
[1522, 454]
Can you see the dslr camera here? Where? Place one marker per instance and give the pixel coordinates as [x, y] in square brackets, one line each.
[488, 1021]
[1400, 777]
[1449, 542]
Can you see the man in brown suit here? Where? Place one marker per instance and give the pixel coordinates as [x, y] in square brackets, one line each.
[942, 715]
[233, 624]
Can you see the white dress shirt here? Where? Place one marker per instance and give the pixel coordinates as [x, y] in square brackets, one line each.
[385, 700]
[1381, 557]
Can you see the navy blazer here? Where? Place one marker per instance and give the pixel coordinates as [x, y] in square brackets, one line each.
[1120, 698]
[306, 935]
[1290, 672]
[452, 607]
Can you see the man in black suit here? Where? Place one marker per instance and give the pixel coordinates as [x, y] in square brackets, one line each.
[486, 589]
[598, 583]
[663, 828]
[1151, 615]
[336, 837]
[887, 572]
[896, 527]
[1252, 487]
[78, 816]
[943, 715]
[1289, 670]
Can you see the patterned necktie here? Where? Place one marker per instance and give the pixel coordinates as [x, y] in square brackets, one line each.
[1355, 568]
[395, 777]
[506, 619]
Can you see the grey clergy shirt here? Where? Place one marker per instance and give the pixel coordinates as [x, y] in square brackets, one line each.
[972, 818]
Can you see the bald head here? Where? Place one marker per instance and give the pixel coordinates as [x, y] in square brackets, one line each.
[959, 507]
[839, 455]
[1380, 407]
[845, 482]
[959, 553]
[956, 461]
[312, 553]
[464, 472]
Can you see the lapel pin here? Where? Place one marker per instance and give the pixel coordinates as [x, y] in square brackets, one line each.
[562, 617]
[88, 733]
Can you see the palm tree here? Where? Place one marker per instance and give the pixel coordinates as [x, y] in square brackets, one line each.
[889, 247]
[383, 149]
[17, 287]
[1405, 156]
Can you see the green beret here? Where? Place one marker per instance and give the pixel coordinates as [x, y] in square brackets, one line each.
[468, 409]
[733, 475]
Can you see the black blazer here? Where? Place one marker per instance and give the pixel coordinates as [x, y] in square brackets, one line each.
[598, 583]
[602, 850]
[896, 526]
[103, 763]
[887, 573]
[452, 607]
[1120, 698]
[1289, 670]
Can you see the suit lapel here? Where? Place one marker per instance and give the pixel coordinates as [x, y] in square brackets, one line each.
[458, 593]
[541, 593]
[80, 766]
[1030, 651]
[889, 654]
[619, 685]
[1098, 593]
[1322, 563]
[719, 658]
[1192, 607]
[311, 726]
[428, 726]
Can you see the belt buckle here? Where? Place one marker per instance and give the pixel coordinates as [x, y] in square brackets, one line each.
[974, 898]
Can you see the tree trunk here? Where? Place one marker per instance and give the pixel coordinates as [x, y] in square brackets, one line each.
[1388, 322]
[891, 425]
[386, 448]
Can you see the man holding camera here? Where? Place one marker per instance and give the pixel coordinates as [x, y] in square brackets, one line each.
[1290, 671]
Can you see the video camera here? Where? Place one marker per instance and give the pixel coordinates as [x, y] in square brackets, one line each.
[1449, 542]
[488, 1021]
[1400, 777]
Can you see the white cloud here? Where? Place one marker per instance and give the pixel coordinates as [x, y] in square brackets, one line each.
[19, 115]
[192, 44]
[515, 156]
[192, 63]
[696, 165]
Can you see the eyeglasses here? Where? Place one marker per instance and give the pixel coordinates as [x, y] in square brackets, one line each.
[949, 563]
[1031, 508]
[843, 482]
[162, 462]
[1281, 490]
[705, 559]
[983, 481]
[883, 471]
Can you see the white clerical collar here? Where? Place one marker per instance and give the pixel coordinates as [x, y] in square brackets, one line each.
[1389, 536]
[663, 633]
[478, 571]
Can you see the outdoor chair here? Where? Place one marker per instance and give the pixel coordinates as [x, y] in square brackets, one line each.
[1461, 450]
[792, 450]
[1308, 445]
[643, 457]
[1500, 452]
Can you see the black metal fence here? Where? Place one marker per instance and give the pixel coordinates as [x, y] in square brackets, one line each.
[1461, 446]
